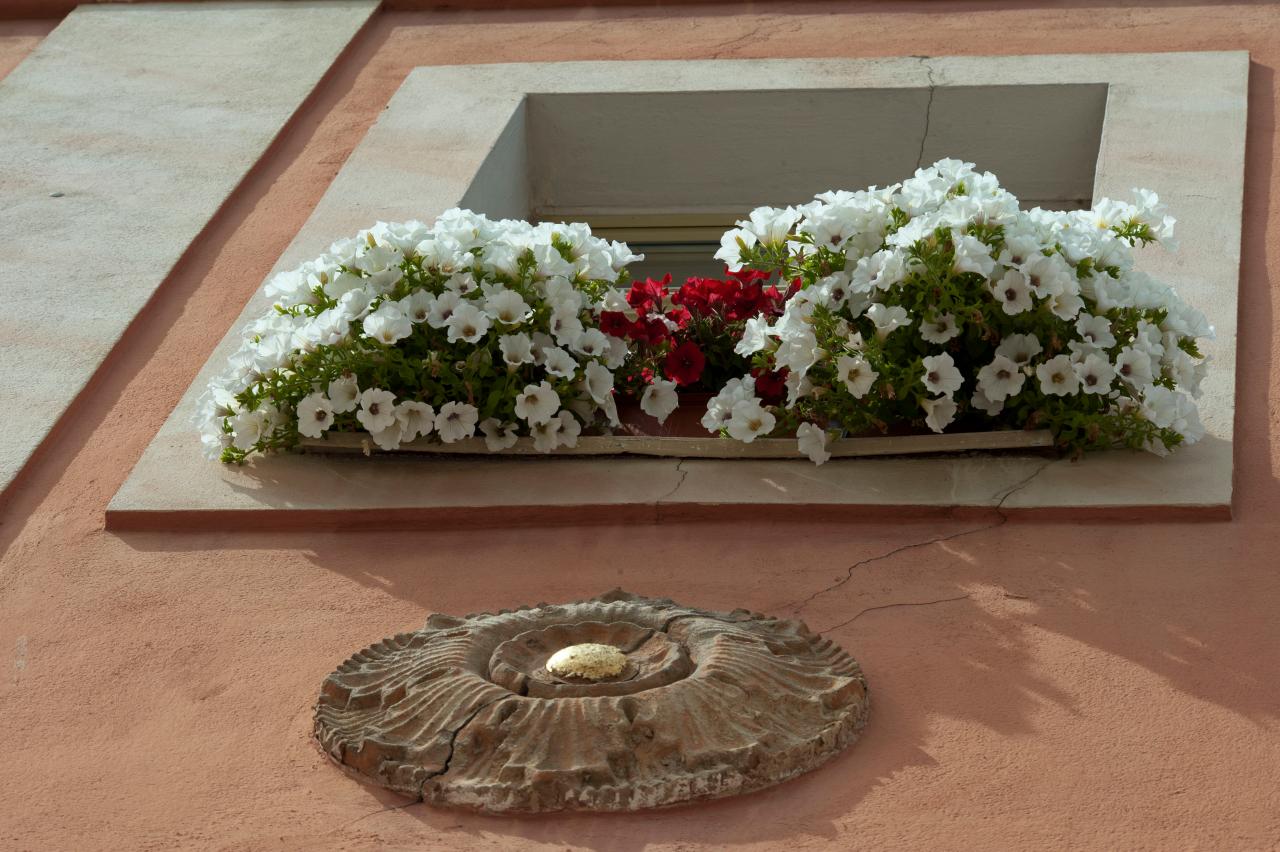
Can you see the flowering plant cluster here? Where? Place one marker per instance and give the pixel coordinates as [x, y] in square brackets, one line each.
[937, 299]
[684, 338]
[409, 331]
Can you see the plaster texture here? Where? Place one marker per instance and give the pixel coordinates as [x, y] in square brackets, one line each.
[121, 136]
[1037, 685]
[19, 38]
[472, 136]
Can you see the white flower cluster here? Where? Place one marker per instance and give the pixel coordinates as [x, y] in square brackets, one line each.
[917, 290]
[408, 330]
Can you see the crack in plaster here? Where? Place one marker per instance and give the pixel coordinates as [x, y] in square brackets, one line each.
[684, 474]
[730, 46]
[798, 606]
[928, 110]
[861, 613]
[375, 813]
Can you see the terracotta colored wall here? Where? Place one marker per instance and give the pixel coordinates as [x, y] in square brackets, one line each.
[1034, 685]
[18, 38]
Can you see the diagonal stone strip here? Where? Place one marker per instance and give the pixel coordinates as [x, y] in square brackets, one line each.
[121, 136]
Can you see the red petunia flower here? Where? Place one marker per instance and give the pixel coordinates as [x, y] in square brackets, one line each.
[770, 386]
[647, 294]
[685, 363]
[617, 324]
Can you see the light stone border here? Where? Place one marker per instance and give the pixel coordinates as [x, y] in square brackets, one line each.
[1175, 122]
[121, 136]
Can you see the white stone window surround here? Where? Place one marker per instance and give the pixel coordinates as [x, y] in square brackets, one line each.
[455, 135]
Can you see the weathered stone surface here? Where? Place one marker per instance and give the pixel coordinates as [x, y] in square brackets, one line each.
[121, 136]
[463, 712]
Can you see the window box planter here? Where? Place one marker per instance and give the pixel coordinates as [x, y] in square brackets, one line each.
[708, 446]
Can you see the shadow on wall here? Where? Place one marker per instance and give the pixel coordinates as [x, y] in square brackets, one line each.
[998, 625]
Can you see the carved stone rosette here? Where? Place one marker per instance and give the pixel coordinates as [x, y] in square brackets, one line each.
[709, 704]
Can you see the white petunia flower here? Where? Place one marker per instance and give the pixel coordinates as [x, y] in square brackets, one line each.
[546, 435]
[387, 325]
[939, 329]
[1191, 381]
[1096, 330]
[559, 363]
[569, 431]
[755, 336]
[354, 304]
[390, 437]
[856, 373]
[417, 305]
[1096, 374]
[1020, 348]
[1049, 275]
[1019, 249]
[415, 418]
[537, 403]
[498, 435]
[507, 306]
[250, 427]
[377, 409]
[981, 403]
[659, 399]
[771, 225]
[455, 421]
[566, 328]
[617, 354]
[593, 343]
[887, 319]
[812, 441]
[1058, 376]
[797, 351]
[467, 323]
[972, 255]
[940, 375]
[442, 308]
[315, 415]
[599, 382]
[344, 393]
[1134, 367]
[938, 412]
[1000, 379]
[1160, 405]
[516, 349]
[879, 271]
[1066, 306]
[613, 301]
[749, 419]
[1012, 292]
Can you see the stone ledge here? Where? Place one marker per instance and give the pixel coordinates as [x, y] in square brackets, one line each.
[1174, 122]
[389, 492]
[124, 132]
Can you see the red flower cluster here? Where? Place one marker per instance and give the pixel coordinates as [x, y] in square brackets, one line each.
[683, 330]
[684, 364]
[740, 297]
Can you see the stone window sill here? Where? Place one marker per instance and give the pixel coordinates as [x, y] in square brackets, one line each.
[1173, 122]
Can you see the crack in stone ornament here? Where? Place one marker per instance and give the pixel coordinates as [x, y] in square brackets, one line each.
[466, 712]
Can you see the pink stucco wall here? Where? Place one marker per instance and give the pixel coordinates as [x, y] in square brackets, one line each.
[1035, 685]
[18, 38]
